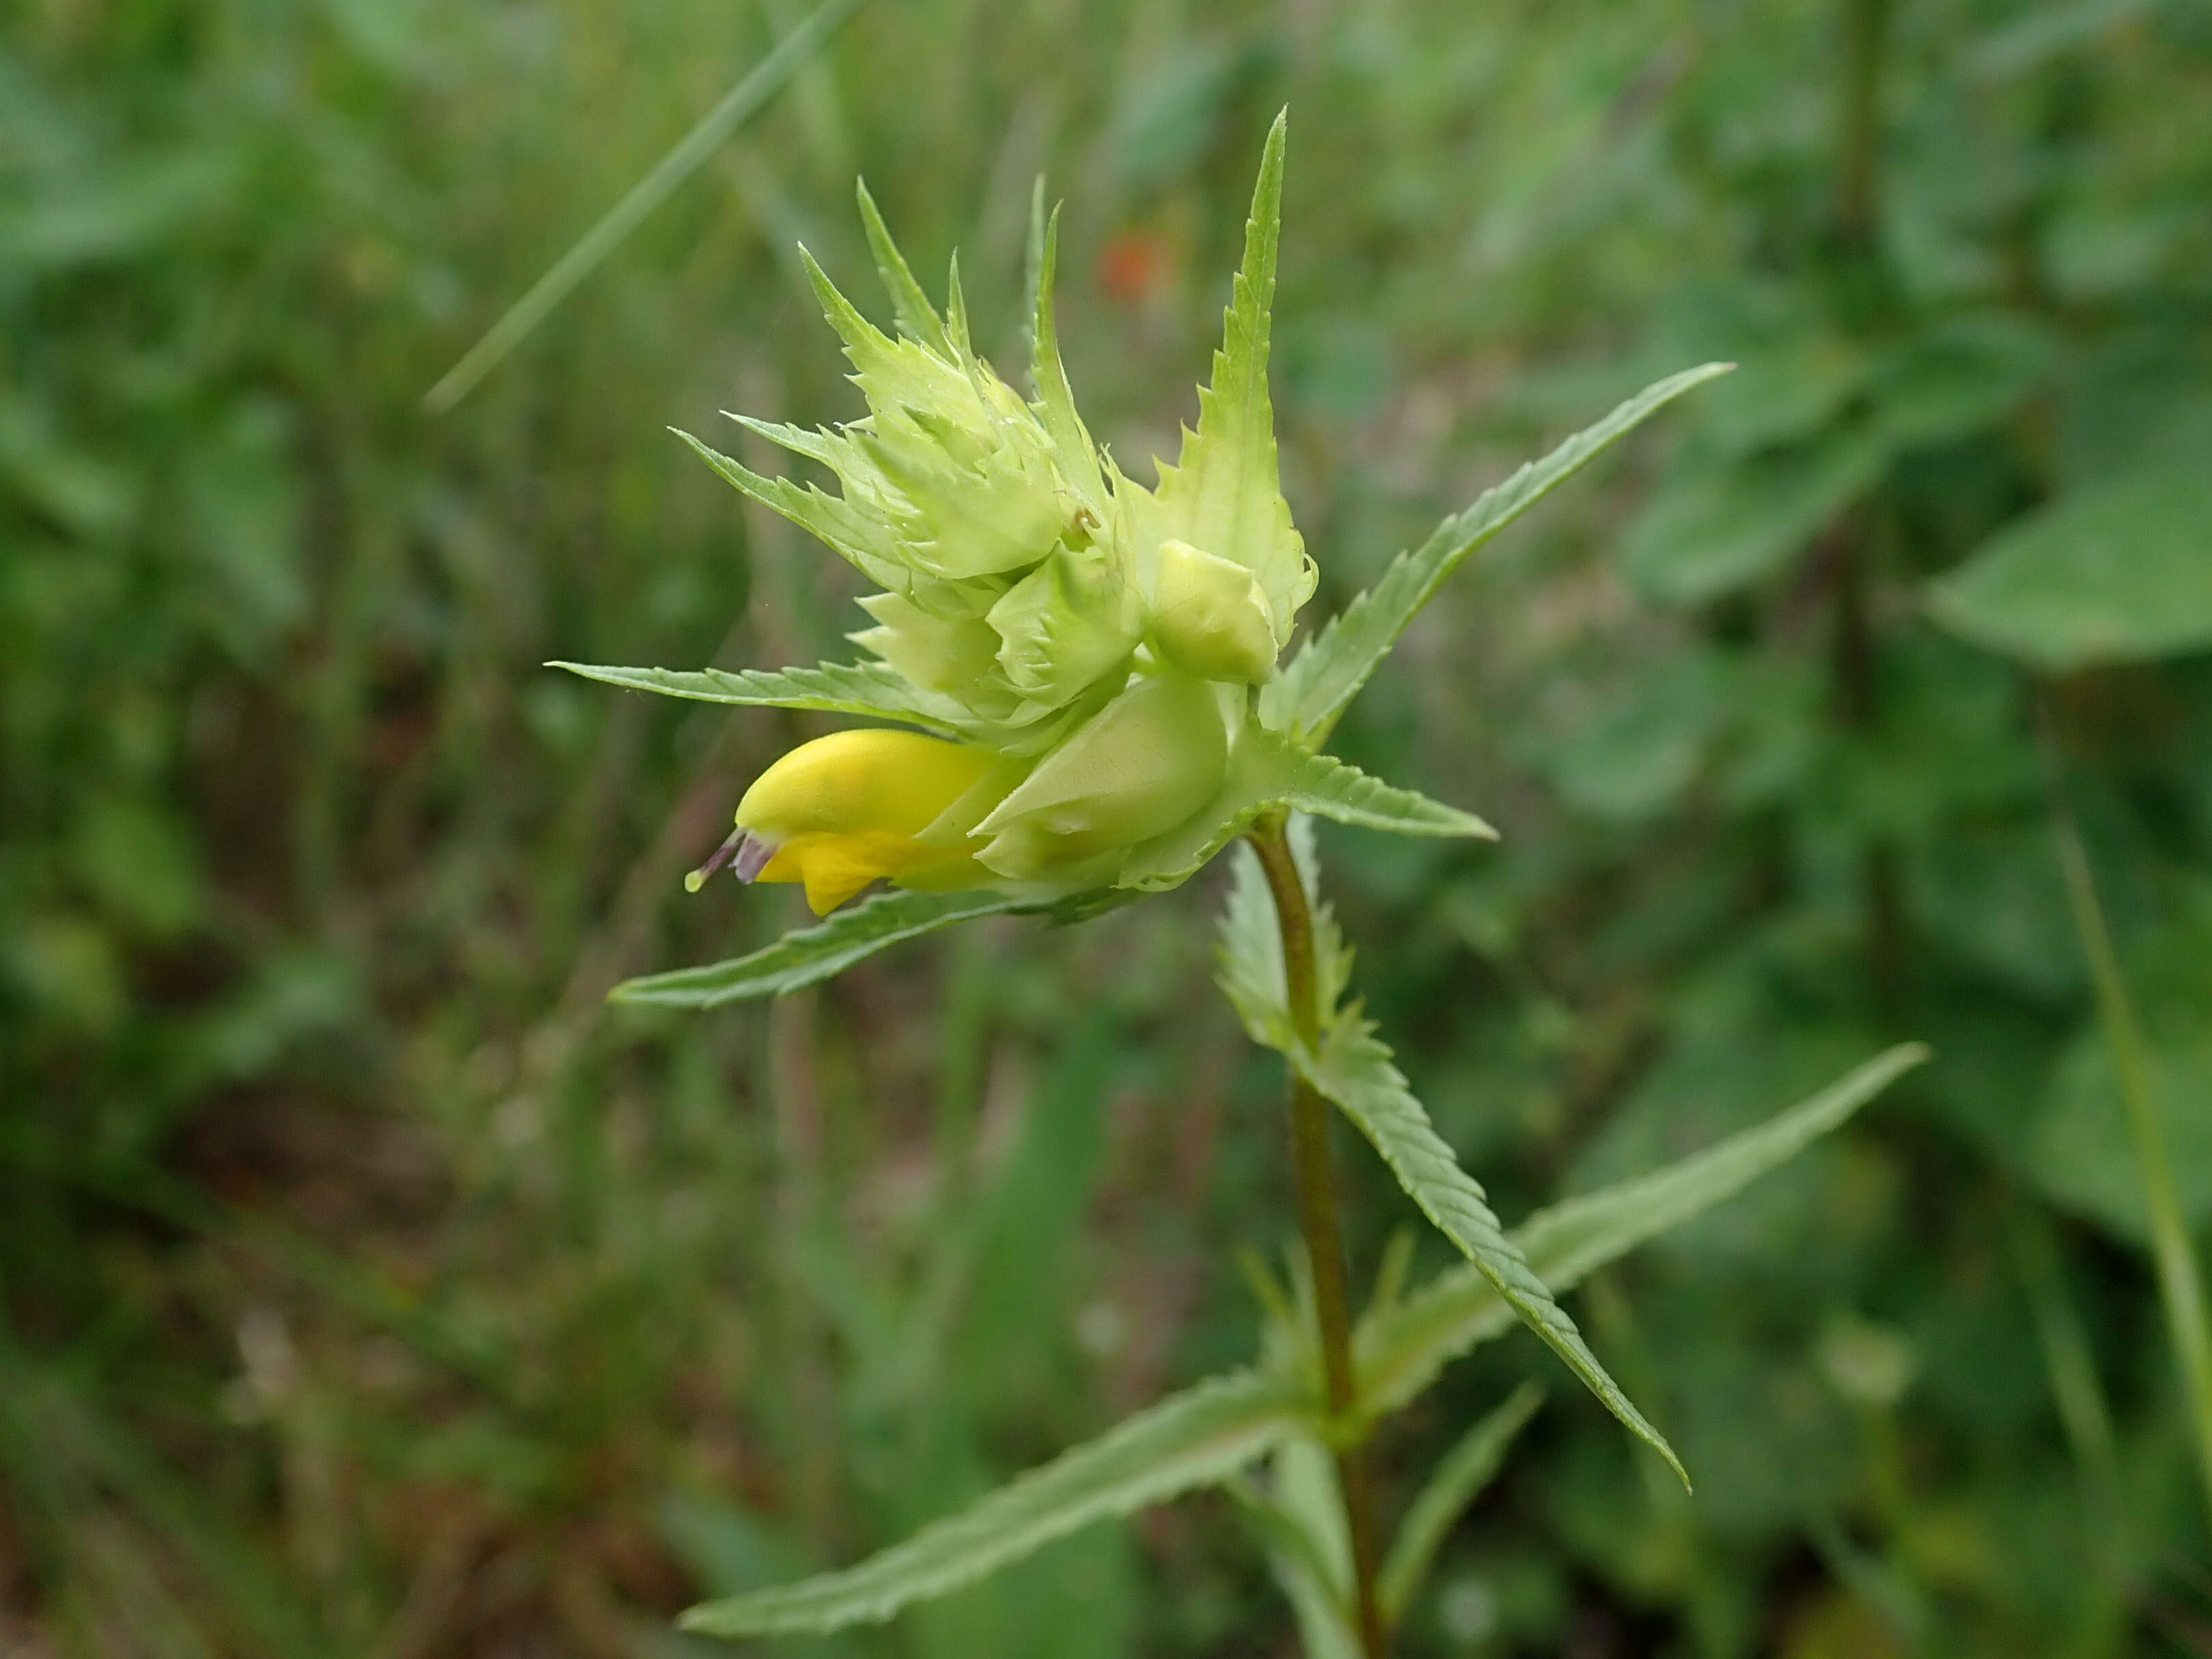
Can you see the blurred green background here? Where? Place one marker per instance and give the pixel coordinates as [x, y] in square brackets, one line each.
[368, 1288]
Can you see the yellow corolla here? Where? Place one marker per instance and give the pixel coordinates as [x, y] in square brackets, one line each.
[845, 810]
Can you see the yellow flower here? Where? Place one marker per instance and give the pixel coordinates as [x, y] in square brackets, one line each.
[845, 810]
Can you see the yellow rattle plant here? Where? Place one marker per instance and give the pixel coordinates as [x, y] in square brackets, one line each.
[1081, 696]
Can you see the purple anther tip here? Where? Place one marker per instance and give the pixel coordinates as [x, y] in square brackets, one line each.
[753, 853]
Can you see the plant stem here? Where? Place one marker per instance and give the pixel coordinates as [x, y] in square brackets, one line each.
[1319, 1208]
[1862, 297]
[2180, 1286]
[1866, 24]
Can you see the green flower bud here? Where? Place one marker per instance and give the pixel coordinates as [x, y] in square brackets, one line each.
[1139, 766]
[1210, 617]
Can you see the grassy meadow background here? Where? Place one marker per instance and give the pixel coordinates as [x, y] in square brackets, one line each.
[369, 1288]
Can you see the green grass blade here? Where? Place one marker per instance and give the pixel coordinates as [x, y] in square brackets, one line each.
[1400, 1352]
[1354, 1070]
[342, 1280]
[1196, 1438]
[814, 954]
[2173, 1253]
[2076, 1391]
[868, 689]
[766, 79]
[1467, 1468]
[248, 1589]
[1326, 673]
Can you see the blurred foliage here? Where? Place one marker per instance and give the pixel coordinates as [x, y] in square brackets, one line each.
[369, 1288]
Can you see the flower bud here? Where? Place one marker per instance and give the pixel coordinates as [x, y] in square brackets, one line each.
[1210, 617]
[841, 811]
[1138, 767]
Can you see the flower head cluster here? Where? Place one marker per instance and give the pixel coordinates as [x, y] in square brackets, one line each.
[1089, 644]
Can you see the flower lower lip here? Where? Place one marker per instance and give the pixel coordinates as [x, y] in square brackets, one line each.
[746, 854]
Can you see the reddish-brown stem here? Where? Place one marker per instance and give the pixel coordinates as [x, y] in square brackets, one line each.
[1319, 1219]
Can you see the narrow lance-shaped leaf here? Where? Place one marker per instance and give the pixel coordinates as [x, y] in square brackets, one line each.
[1309, 1547]
[1268, 771]
[956, 313]
[814, 954]
[1205, 1435]
[868, 689]
[1330, 788]
[826, 448]
[1309, 695]
[1400, 1350]
[1354, 1070]
[1200, 1437]
[1467, 1468]
[1033, 270]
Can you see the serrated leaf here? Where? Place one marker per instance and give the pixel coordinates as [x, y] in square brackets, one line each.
[1354, 1070]
[1199, 1437]
[1305, 701]
[1269, 770]
[917, 319]
[1071, 446]
[868, 689]
[821, 516]
[2118, 572]
[826, 448]
[1400, 1350]
[1330, 788]
[813, 954]
[1459, 1479]
[1224, 494]
[1205, 1435]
